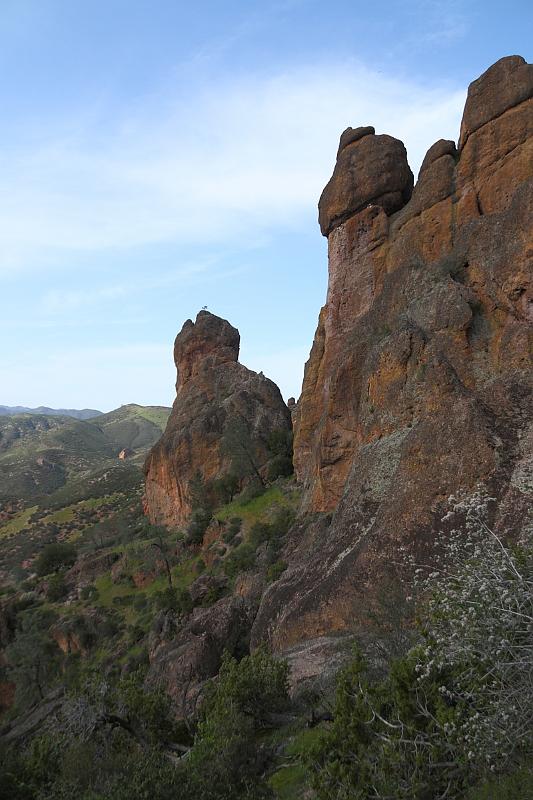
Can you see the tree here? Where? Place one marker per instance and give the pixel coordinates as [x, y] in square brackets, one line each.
[162, 548]
[55, 556]
[458, 706]
[239, 703]
[280, 445]
[56, 588]
[225, 488]
[239, 446]
[199, 495]
[202, 508]
[33, 663]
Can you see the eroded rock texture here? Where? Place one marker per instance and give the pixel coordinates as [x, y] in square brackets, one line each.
[212, 389]
[419, 380]
[182, 661]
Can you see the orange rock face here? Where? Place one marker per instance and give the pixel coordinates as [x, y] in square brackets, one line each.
[419, 380]
[212, 390]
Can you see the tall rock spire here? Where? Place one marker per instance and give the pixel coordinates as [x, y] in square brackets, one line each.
[418, 385]
[213, 391]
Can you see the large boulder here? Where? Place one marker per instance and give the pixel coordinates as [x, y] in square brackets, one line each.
[214, 391]
[370, 169]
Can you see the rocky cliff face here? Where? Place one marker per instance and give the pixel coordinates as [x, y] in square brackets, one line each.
[213, 390]
[419, 380]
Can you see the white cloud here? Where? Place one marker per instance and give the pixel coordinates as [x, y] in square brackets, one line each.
[229, 163]
[63, 301]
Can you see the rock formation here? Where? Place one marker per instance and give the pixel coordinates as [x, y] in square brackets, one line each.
[419, 380]
[213, 390]
[182, 661]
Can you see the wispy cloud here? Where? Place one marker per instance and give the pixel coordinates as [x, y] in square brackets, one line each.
[63, 301]
[445, 21]
[225, 164]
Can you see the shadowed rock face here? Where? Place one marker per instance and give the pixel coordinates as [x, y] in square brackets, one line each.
[419, 380]
[212, 389]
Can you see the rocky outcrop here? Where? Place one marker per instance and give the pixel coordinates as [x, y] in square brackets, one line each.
[370, 170]
[88, 567]
[213, 392]
[182, 661]
[418, 385]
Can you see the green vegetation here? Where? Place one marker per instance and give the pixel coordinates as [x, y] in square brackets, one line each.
[518, 785]
[457, 708]
[256, 509]
[138, 743]
[56, 588]
[292, 778]
[54, 557]
[133, 427]
[18, 523]
[69, 512]
[42, 455]
[437, 713]
[240, 560]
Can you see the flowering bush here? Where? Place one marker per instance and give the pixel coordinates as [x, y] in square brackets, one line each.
[459, 706]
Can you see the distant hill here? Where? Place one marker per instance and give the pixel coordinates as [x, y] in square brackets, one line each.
[44, 456]
[84, 413]
[133, 427]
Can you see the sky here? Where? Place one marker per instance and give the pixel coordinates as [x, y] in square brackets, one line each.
[159, 156]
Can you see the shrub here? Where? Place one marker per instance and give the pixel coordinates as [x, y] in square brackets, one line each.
[250, 492]
[280, 443]
[458, 706]
[225, 488]
[199, 492]
[518, 785]
[140, 602]
[275, 570]
[171, 599]
[108, 627]
[225, 762]
[56, 588]
[54, 557]
[259, 532]
[233, 530]
[135, 634]
[84, 630]
[280, 467]
[200, 566]
[198, 525]
[89, 593]
[240, 560]
[257, 686]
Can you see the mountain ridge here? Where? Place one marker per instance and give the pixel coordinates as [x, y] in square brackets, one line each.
[83, 413]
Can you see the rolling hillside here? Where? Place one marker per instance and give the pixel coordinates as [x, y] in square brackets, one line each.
[133, 427]
[51, 459]
[83, 413]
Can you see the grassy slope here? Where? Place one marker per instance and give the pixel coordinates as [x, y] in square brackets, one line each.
[65, 459]
[64, 465]
[132, 426]
[133, 609]
[17, 524]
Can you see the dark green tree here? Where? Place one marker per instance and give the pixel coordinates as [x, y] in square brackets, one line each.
[54, 557]
[242, 449]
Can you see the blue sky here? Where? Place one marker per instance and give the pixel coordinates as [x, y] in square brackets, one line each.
[157, 157]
